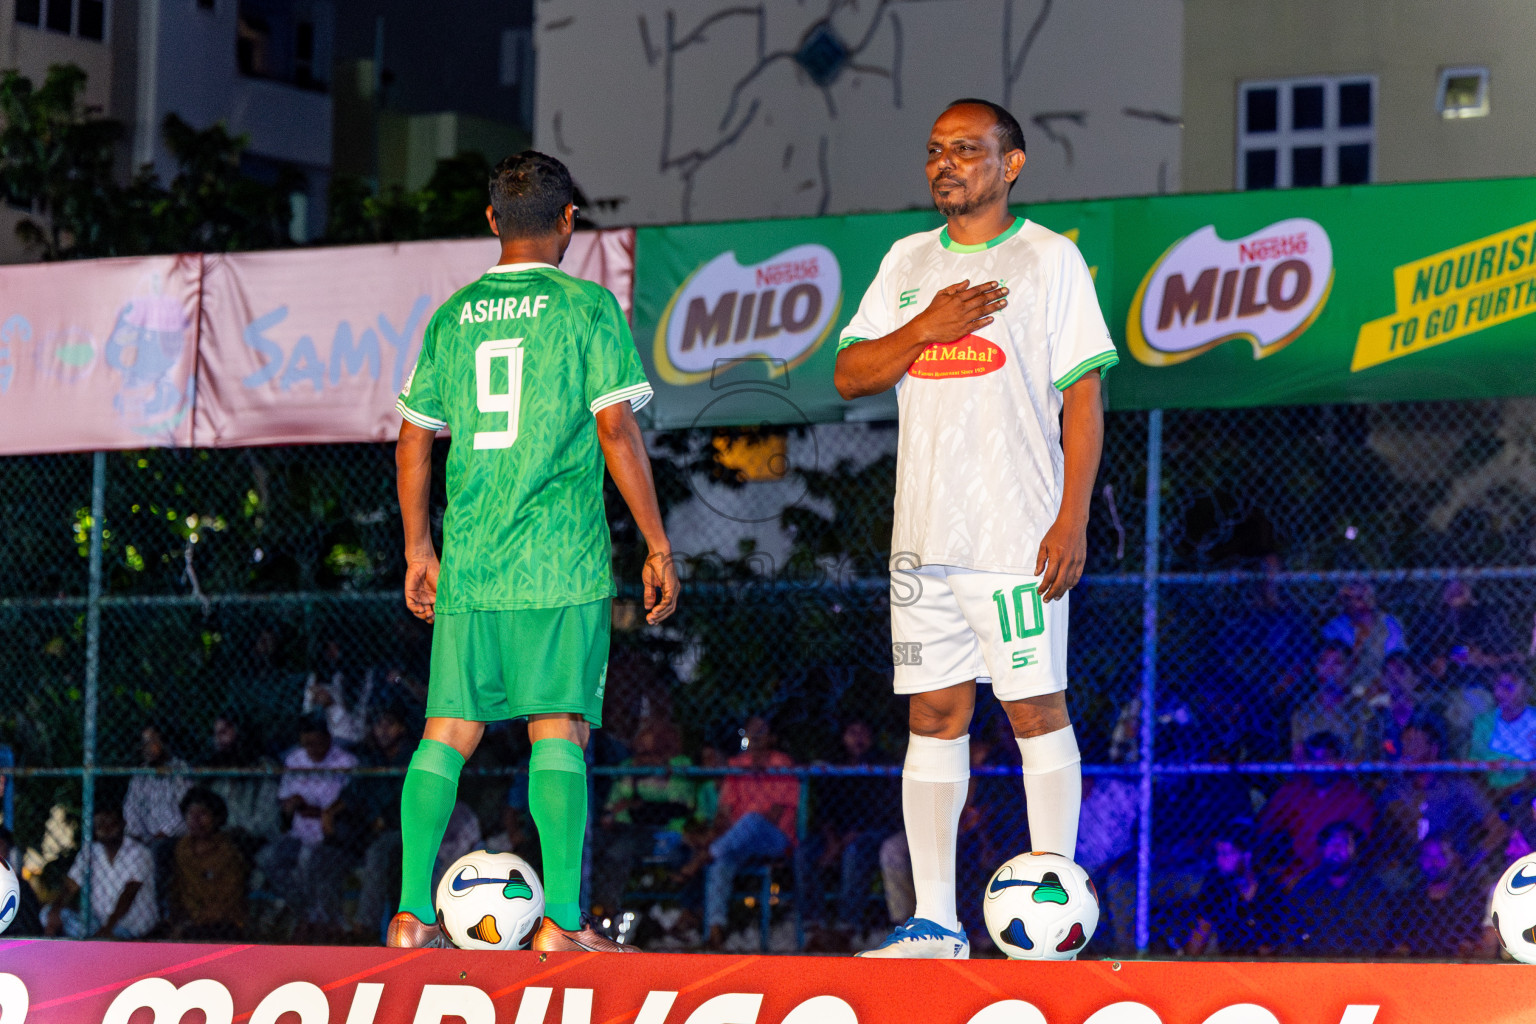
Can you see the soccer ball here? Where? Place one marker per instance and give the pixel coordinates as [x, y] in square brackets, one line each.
[1040, 906]
[10, 895]
[1514, 909]
[490, 901]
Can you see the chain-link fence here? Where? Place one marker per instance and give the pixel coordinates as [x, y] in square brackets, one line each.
[1292, 617]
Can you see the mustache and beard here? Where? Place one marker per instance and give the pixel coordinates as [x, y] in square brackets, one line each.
[962, 198]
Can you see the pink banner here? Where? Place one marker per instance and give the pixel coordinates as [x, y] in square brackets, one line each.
[311, 346]
[62, 982]
[98, 355]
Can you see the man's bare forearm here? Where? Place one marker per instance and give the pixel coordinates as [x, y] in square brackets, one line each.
[1082, 444]
[630, 466]
[870, 367]
[413, 465]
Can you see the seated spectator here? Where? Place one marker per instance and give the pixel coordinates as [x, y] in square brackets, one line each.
[1393, 705]
[1339, 906]
[29, 912]
[123, 902]
[207, 891]
[1465, 640]
[514, 836]
[1237, 912]
[377, 800]
[250, 801]
[1366, 632]
[1506, 732]
[301, 868]
[1444, 916]
[343, 695]
[756, 820]
[857, 814]
[1304, 806]
[1331, 708]
[645, 814]
[152, 808]
[1106, 821]
[1268, 643]
[1420, 804]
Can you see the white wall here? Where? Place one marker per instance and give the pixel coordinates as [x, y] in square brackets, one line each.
[695, 110]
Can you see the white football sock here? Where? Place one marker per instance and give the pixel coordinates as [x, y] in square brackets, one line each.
[934, 780]
[1053, 788]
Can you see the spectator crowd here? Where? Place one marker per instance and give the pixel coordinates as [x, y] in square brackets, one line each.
[1307, 858]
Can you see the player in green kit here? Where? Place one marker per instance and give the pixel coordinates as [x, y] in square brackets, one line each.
[536, 376]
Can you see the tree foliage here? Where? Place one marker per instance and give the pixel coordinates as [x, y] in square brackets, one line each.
[57, 161]
[451, 205]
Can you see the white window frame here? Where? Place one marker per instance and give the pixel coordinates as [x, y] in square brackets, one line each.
[1469, 71]
[1285, 139]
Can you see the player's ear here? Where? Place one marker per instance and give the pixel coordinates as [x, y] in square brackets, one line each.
[490, 218]
[1013, 164]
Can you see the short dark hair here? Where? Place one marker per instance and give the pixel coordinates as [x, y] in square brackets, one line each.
[1324, 740]
[206, 798]
[1240, 832]
[1333, 828]
[1009, 135]
[1342, 650]
[1514, 672]
[1431, 725]
[528, 193]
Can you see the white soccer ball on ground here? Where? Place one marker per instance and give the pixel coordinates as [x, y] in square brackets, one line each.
[1040, 906]
[10, 895]
[1514, 909]
[490, 901]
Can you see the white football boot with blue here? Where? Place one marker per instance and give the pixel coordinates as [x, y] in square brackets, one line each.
[921, 939]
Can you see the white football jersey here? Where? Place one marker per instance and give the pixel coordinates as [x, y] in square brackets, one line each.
[979, 461]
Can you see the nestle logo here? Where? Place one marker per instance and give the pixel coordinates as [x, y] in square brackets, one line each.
[1272, 248]
[787, 272]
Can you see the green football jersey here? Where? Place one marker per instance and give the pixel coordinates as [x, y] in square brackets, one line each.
[516, 365]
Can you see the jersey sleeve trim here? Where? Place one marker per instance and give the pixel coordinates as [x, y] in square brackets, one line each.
[1103, 361]
[424, 422]
[843, 343]
[636, 394]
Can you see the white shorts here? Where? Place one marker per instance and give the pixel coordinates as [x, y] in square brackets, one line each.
[951, 625]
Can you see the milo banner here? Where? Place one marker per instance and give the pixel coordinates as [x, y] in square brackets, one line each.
[1366, 294]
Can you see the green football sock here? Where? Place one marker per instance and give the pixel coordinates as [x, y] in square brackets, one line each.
[426, 801]
[557, 799]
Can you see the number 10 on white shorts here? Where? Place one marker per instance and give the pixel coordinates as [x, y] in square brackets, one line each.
[950, 625]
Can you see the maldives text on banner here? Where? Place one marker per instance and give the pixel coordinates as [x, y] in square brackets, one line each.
[1371, 293]
[99, 983]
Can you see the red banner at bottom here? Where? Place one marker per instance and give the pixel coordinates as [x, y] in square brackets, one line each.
[89, 982]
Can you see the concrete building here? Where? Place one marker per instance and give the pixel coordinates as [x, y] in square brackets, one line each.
[416, 83]
[693, 110]
[36, 34]
[262, 67]
[1287, 93]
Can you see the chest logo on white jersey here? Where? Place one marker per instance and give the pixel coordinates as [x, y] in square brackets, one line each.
[780, 309]
[1267, 288]
[971, 356]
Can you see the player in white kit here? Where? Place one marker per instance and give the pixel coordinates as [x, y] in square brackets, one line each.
[990, 332]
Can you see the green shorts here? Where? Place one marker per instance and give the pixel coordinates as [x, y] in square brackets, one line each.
[494, 666]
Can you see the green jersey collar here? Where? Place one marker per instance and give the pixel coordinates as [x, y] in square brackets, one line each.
[954, 246]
